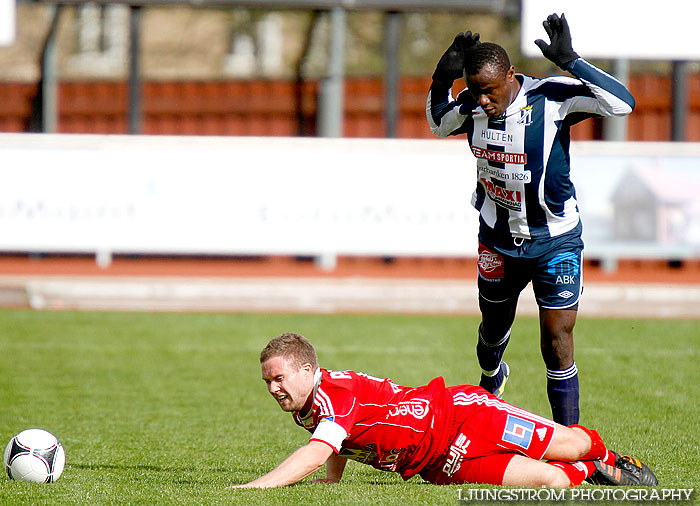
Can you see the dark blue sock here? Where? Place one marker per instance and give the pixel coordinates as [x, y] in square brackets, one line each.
[489, 352]
[562, 390]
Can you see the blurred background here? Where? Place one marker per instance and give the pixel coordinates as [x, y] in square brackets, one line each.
[220, 67]
[286, 140]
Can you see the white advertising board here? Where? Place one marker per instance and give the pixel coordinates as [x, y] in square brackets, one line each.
[618, 29]
[8, 20]
[317, 197]
[236, 195]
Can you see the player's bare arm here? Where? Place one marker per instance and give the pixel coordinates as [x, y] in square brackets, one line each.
[335, 465]
[305, 461]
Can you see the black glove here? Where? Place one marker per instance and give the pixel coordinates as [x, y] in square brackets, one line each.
[451, 64]
[559, 50]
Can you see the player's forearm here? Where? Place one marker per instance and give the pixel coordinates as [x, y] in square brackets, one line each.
[442, 111]
[335, 465]
[300, 464]
[613, 97]
[439, 104]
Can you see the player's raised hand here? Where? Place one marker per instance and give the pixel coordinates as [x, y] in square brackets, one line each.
[559, 50]
[451, 64]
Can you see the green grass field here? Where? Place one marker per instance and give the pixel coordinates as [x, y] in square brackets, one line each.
[170, 408]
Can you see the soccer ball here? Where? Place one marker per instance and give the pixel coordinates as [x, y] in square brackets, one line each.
[34, 455]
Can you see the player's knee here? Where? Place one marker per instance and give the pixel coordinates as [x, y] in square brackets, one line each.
[582, 448]
[580, 443]
[555, 478]
[569, 444]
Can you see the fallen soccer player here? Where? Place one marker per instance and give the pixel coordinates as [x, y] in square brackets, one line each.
[446, 435]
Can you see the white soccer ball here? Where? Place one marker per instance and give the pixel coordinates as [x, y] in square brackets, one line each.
[34, 455]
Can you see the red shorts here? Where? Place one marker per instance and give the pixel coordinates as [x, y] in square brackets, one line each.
[486, 433]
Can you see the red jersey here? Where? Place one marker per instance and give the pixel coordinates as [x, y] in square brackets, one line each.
[377, 422]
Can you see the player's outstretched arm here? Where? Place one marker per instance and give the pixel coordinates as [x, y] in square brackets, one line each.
[559, 50]
[612, 98]
[300, 464]
[450, 67]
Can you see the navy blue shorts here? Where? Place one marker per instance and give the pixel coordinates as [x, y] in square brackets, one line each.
[553, 265]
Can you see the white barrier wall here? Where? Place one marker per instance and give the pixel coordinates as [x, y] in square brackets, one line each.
[320, 197]
[235, 195]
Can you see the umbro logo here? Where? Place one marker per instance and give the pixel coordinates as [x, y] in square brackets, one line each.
[565, 294]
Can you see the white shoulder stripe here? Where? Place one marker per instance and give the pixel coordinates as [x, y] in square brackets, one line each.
[323, 401]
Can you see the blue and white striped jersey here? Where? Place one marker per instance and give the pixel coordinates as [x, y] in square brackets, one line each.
[523, 186]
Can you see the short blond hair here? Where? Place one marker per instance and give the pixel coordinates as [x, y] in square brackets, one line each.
[293, 347]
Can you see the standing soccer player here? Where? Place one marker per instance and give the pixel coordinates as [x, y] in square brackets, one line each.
[529, 225]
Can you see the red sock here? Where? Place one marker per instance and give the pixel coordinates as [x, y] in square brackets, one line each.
[575, 471]
[598, 450]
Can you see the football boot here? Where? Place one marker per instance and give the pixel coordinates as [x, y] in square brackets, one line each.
[496, 384]
[626, 471]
